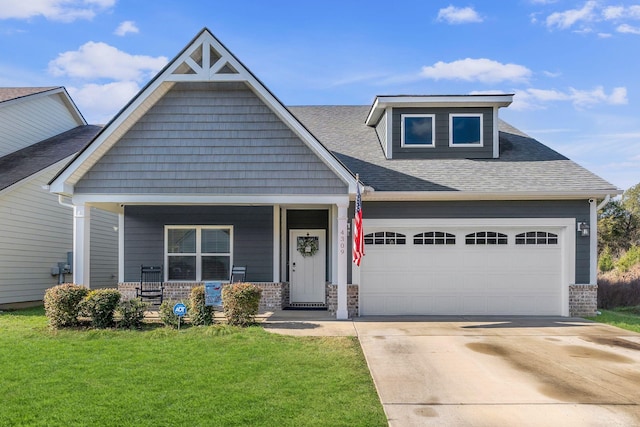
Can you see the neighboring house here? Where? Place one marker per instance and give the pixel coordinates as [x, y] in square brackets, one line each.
[463, 214]
[40, 130]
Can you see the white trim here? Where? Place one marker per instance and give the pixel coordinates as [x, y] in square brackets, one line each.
[333, 233]
[305, 200]
[121, 247]
[283, 245]
[276, 243]
[383, 102]
[82, 245]
[470, 195]
[452, 116]
[565, 226]
[496, 134]
[422, 116]
[342, 312]
[198, 253]
[593, 242]
[389, 119]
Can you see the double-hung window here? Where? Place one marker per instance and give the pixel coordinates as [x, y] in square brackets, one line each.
[198, 253]
[418, 130]
[465, 130]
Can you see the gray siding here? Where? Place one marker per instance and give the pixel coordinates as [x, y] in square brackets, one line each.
[252, 234]
[578, 209]
[104, 249]
[442, 149]
[211, 138]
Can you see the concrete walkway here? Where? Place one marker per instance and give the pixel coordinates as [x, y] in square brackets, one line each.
[492, 371]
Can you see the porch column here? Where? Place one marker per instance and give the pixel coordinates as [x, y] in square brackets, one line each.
[81, 239]
[276, 243]
[341, 247]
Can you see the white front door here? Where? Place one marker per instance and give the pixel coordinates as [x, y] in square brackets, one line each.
[307, 269]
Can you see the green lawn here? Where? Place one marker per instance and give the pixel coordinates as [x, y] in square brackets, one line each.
[623, 317]
[199, 376]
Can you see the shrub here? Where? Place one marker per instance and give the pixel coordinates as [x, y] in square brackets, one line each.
[629, 259]
[199, 313]
[613, 293]
[605, 262]
[62, 304]
[241, 302]
[100, 305]
[131, 313]
[166, 314]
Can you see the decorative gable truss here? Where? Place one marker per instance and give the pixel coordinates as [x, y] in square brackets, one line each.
[204, 63]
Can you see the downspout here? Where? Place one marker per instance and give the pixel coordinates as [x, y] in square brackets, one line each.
[593, 242]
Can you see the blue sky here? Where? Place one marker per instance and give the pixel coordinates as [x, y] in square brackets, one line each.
[573, 65]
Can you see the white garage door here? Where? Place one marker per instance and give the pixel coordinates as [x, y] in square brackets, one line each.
[488, 270]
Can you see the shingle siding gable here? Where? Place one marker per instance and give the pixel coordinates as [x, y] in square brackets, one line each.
[214, 138]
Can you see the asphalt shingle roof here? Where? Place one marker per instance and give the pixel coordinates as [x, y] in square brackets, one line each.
[525, 165]
[9, 93]
[24, 163]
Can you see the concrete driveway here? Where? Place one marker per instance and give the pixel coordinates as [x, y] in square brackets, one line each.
[492, 371]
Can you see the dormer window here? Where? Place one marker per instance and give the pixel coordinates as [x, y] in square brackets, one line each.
[465, 130]
[418, 130]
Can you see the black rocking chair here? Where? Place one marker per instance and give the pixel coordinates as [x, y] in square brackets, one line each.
[151, 285]
[238, 274]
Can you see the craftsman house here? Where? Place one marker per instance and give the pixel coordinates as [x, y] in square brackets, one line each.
[40, 131]
[463, 214]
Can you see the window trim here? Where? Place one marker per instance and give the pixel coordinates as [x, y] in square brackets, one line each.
[433, 131]
[198, 254]
[387, 238]
[454, 115]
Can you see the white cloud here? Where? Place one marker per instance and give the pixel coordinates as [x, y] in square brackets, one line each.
[481, 69]
[604, 35]
[535, 99]
[99, 103]
[613, 12]
[552, 74]
[628, 29]
[125, 28]
[100, 60]
[54, 10]
[459, 15]
[568, 18]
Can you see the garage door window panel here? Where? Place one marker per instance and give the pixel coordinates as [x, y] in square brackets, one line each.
[385, 238]
[486, 238]
[536, 238]
[434, 238]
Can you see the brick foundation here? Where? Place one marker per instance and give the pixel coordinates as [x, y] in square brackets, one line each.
[583, 300]
[352, 299]
[275, 296]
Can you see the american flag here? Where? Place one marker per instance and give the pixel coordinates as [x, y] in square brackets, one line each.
[358, 236]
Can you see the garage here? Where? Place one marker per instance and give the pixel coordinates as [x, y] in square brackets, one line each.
[474, 267]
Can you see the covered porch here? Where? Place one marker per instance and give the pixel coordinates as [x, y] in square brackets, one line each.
[298, 253]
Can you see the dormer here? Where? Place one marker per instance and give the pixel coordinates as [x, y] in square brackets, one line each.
[438, 126]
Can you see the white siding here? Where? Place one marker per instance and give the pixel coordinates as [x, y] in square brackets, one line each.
[35, 235]
[25, 123]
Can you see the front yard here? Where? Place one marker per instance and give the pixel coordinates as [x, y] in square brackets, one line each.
[621, 317]
[199, 376]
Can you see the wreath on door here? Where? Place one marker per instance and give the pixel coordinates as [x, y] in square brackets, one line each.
[307, 246]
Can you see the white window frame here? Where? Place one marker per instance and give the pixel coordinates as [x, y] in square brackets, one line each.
[198, 254]
[454, 115]
[433, 130]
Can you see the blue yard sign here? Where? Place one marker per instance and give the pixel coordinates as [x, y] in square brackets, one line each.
[180, 309]
[213, 293]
